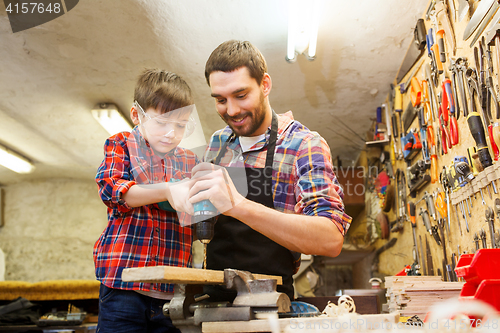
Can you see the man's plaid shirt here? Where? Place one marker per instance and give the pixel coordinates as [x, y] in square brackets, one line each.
[303, 178]
[141, 236]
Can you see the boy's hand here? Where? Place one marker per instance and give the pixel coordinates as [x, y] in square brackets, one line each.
[178, 196]
[212, 182]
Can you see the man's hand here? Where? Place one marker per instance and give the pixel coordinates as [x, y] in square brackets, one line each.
[212, 182]
[178, 195]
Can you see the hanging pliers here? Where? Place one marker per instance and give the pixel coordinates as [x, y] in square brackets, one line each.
[448, 105]
[490, 95]
[443, 122]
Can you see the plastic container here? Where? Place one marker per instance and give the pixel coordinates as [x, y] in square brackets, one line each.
[481, 272]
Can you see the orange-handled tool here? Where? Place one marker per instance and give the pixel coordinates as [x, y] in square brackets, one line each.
[441, 205]
[430, 136]
[442, 208]
[439, 64]
[415, 92]
[427, 102]
[434, 166]
[440, 38]
[413, 214]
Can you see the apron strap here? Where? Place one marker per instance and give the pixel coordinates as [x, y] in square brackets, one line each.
[271, 146]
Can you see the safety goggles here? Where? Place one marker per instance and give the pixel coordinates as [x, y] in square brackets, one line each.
[168, 123]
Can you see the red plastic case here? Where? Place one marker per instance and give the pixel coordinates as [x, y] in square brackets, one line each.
[481, 272]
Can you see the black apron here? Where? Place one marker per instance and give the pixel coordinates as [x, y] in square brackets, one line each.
[236, 245]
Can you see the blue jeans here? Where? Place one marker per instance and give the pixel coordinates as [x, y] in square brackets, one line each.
[128, 311]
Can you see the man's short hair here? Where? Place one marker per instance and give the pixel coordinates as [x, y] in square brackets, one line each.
[234, 54]
[162, 90]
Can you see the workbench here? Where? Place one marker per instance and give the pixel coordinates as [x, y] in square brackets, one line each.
[195, 277]
[53, 294]
[83, 328]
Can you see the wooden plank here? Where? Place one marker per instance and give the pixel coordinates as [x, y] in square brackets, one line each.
[260, 325]
[324, 324]
[415, 295]
[181, 275]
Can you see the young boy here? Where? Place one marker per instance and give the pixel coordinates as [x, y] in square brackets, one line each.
[133, 177]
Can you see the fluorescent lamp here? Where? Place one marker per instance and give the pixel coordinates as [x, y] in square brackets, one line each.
[110, 118]
[292, 27]
[313, 37]
[14, 161]
[303, 25]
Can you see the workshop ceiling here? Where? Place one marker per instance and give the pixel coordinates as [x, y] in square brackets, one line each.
[53, 74]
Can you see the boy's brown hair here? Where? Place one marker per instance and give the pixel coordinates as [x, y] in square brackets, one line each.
[162, 90]
[234, 54]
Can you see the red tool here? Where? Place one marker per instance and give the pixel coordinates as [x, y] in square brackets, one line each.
[414, 142]
[443, 122]
[450, 103]
[494, 146]
[403, 272]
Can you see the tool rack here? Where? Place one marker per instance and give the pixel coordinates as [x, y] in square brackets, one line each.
[466, 226]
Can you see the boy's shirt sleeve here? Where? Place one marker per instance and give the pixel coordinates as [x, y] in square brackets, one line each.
[113, 176]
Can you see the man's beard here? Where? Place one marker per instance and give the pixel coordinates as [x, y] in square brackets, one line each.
[257, 118]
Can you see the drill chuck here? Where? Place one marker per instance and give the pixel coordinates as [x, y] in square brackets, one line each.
[205, 217]
[205, 230]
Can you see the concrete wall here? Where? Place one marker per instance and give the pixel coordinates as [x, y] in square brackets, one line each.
[50, 229]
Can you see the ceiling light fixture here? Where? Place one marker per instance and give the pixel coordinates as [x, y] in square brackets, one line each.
[14, 161]
[303, 24]
[110, 118]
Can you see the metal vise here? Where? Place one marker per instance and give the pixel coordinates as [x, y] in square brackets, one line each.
[187, 313]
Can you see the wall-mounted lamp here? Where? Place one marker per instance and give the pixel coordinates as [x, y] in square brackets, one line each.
[110, 118]
[14, 161]
[303, 23]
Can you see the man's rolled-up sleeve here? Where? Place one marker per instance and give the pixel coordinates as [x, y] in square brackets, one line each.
[113, 176]
[317, 190]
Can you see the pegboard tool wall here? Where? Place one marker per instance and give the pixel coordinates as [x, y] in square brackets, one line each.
[458, 239]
